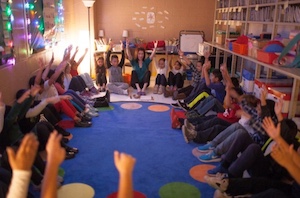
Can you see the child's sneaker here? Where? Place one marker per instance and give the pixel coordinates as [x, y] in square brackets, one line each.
[188, 135]
[205, 148]
[155, 90]
[161, 89]
[218, 183]
[218, 169]
[210, 157]
[188, 124]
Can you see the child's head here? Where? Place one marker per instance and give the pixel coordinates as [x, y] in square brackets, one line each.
[288, 130]
[251, 100]
[141, 54]
[114, 60]
[235, 82]
[216, 76]
[32, 82]
[199, 65]
[235, 92]
[100, 61]
[161, 63]
[177, 65]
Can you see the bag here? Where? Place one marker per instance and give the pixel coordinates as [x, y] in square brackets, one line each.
[175, 115]
[103, 101]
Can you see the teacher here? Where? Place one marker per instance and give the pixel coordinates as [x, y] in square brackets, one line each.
[140, 76]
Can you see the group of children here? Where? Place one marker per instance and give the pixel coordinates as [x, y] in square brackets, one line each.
[241, 135]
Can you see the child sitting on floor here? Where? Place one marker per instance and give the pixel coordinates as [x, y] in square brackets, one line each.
[176, 79]
[116, 84]
[161, 80]
[101, 80]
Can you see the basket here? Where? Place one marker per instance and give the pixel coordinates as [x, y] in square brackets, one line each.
[240, 48]
[266, 57]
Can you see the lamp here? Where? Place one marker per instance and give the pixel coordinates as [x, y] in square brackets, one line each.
[89, 4]
[101, 33]
[125, 34]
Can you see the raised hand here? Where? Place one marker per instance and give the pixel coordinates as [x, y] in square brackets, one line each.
[282, 154]
[24, 157]
[35, 90]
[124, 162]
[264, 92]
[180, 53]
[122, 45]
[269, 127]
[155, 44]
[278, 106]
[55, 153]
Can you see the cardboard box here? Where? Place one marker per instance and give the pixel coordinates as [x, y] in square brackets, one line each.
[220, 38]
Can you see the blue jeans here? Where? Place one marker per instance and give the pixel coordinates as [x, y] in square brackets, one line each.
[209, 103]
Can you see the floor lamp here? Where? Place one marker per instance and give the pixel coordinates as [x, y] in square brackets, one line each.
[89, 4]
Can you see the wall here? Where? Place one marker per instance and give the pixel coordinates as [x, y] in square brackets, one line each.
[171, 16]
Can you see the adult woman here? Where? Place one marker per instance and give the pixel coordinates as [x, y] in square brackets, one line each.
[140, 76]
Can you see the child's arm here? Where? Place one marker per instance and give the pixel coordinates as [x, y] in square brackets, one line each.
[206, 68]
[128, 51]
[182, 56]
[225, 75]
[73, 57]
[60, 68]
[82, 57]
[110, 44]
[154, 50]
[47, 68]
[121, 64]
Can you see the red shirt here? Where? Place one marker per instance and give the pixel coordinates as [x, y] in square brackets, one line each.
[229, 114]
[74, 72]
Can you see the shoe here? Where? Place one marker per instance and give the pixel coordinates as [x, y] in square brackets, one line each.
[65, 140]
[210, 157]
[83, 124]
[178, 96]
[69, 155]
[155, 91]
[206, 148]
[168, 93]
[92, 114]
[189, 125]
[72, 149]
[218, 183]
[183, 106]
[218, 169]
[175, 105]
[188, 135]
[85, 117]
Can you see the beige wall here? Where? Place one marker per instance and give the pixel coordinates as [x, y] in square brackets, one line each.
[113, 16]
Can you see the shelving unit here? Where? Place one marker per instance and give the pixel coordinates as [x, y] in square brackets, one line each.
[255, 17]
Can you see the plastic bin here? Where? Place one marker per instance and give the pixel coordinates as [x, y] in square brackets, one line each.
[240, 48]
[266, 57]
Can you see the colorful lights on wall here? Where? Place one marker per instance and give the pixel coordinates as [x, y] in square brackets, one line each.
[45, 22]
[6, 38]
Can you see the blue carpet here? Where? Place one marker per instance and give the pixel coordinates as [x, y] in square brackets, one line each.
[161, 153]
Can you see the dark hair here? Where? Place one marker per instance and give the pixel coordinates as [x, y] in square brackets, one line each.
[217, 73]
[143, 50]
[20, 93]
[251, 100]
[270, 105]
[59, 79]
[288, 130]
[114, 56]
[32, 81]
[162, 59]
[50, 73]
[202, 60]
[238, 90]
[100, 58]
[179, 63]
[235, 82]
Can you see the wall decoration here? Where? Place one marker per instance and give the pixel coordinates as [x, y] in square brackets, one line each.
[150, 18]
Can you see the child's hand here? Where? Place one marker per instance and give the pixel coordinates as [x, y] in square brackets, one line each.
[278, 106]
[122, 45]
[223, 67]
[124, 162]
[269, 127]
[24, 157]
[155, 44]
[180, 53]
[35, 90]
[127, 42]
[25, 95]
[264, 92]
[55, 153]
[207, 66]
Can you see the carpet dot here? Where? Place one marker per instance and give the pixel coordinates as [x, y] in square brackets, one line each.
[179, 190]
[198, 172]
[106, 108]
[131, 106]
[76, 190]
[136, 194]
[159, 108]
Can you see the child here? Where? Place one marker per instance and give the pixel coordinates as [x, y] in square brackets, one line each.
[175, 79]
[116, 84]
[161, 80]
[101, 80]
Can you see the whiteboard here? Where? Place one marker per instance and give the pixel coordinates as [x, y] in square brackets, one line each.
[190, 42]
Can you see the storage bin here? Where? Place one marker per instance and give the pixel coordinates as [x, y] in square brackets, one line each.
[240, 48]
[275, 93]
[220, 37]
[266, 57]
[127, 78]
[258, 83]
[247, 81]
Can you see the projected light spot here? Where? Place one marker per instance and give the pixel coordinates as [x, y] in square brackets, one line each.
[131, 106]
[158, 108]
[198, 172]
[179, 190]
[76, 190]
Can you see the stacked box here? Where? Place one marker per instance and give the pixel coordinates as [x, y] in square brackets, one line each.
[247, 81]
[275, 93]
[270, 82]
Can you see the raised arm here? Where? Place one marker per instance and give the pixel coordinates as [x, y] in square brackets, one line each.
[182, 56]
[60, 68]
[82, 57]
[47, 67]
[121, 63]
[124, 164]
[154, 50]
[110, 46]
[2, 112]
[205, 69]
[74, 55]
[225, 75]
[55, 156]
[129, 56]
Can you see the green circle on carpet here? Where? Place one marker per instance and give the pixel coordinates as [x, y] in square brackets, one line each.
[61, 172]
[106, 108]
[158, 108]
[131, 106]
[179, 190]
[75, 190]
